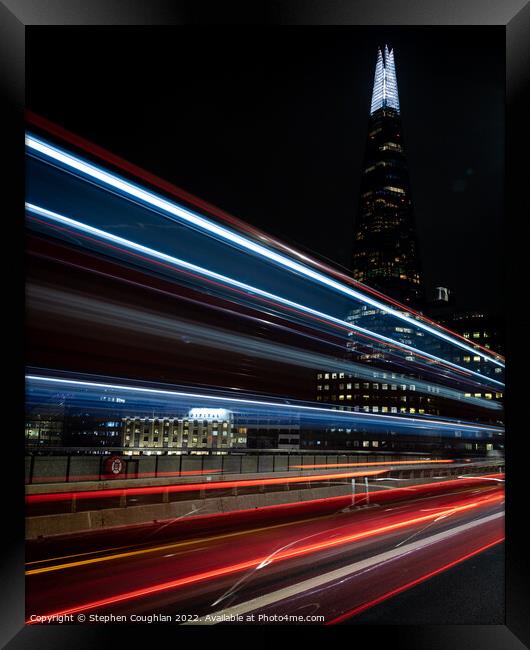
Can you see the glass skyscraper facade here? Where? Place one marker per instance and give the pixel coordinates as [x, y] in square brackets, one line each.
[385, 252]
[385, 257]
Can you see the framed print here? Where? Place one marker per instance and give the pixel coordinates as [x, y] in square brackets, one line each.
[272, 325]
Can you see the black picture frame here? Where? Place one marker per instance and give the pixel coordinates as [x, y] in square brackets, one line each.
[514, 15]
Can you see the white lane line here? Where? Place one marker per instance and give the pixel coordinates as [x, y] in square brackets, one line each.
[482, 478]
[312, 583]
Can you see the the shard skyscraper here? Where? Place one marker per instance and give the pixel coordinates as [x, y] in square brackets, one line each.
[385, 254]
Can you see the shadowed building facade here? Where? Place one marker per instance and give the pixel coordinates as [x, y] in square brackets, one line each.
[385, 257]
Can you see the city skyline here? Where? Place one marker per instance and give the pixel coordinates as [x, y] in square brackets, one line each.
[173, 350]
[227, 140]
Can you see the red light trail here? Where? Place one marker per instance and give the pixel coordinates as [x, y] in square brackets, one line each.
[189, 487]
[175, 191]
[287, 554]
[412, 583]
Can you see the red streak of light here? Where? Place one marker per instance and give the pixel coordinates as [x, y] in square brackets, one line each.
[234, 568]
[130, 168]
[413, 583]
[188, 487]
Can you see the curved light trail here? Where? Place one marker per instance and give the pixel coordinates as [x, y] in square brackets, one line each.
[173, 210]
[67, 221]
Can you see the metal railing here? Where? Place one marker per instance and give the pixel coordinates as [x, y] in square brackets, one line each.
[65, 465]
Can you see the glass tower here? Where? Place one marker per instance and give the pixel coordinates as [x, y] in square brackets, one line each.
[385, 247]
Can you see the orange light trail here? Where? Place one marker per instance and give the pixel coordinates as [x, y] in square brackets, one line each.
[285, 555]
[189, 487]
[386, 462]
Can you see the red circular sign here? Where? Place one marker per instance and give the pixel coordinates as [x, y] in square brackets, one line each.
[114, 465]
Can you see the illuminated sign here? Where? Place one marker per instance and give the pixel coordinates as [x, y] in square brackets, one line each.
[209, 414]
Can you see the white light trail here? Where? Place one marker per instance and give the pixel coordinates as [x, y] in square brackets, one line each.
[408, 422]
[102, 234]
[187, 215]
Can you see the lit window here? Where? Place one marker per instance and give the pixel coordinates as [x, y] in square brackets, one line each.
[390, 145]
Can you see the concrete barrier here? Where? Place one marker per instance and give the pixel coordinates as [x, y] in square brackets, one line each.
[75, 522]
[250, 464]
[281, 463]
[168, 464]
[232, 464]
[265, 464]
[394, 471]
[62, 524]
[50, 468]
[82, 467]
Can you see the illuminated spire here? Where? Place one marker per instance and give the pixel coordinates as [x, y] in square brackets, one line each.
[385, 83]
[377, 95]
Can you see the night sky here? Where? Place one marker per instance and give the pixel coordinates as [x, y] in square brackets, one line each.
[270, 125]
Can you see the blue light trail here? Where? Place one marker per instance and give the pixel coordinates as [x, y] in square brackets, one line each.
[133, 400]
[125, 243]
[174, 211]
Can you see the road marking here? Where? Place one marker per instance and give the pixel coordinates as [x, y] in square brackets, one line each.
[153, 549]
[318, 581]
